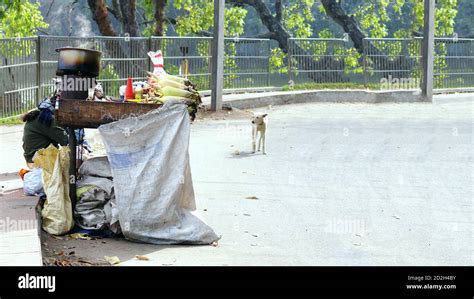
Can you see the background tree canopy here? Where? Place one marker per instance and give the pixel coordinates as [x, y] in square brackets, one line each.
[274, 19]
[250, 18]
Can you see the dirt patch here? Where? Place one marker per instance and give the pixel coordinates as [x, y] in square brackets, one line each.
[62, 252]
[227, 113]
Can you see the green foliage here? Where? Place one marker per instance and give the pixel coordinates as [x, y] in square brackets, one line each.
[297, 18]
[445, 13]
[148, 11]
[10, 121]
[277, 61]
[325, 33]
[198, 16]
[20, 18]
[373, 17]
[230, 65]
[352, 61]
[110, 80]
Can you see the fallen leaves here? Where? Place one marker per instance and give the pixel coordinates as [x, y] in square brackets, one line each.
[113, 260]
[70, 261]
[79, 236]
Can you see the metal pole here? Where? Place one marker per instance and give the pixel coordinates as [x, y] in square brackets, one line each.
[269, 54]
[150, 69]
[72, 167]
[38, 69]
[289, 61]
[217, 84]
[428, 50]
[364, 60]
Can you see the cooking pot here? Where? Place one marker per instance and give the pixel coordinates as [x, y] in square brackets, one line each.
[78, 61]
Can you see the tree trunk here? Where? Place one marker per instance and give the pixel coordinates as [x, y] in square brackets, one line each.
[99, 14]
[115, 10]
[349, 24]
[278, 10]
[159, 16]
[278, 32]
[130, 24]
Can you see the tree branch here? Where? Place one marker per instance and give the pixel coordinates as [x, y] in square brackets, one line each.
[278, 10]
[204, 33]
[99, 14]
[159, 16]
[115, 11]
[275, 27]
[269, 35]
[348, 23]
[128, 9]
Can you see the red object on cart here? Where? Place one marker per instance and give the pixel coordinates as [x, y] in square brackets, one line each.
[129, 94]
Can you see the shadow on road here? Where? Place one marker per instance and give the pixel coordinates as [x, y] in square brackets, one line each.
[245, 155]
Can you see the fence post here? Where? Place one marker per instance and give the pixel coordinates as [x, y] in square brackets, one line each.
[269, 52]
[428, 50]
[38, 68]
[289, 61]
[218, 56]
[364, 61]
[149, 43]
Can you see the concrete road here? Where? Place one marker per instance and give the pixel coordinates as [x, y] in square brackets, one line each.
[341, 184]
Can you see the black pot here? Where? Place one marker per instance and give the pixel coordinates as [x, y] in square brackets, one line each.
[78, 62]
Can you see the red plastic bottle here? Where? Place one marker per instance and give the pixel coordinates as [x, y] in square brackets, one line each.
[129, 94]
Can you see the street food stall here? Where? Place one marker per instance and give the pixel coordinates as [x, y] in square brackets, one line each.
[85, 106]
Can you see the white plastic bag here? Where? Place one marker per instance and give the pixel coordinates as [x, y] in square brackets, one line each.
[158, 62]
[33, 182]
[152, 178]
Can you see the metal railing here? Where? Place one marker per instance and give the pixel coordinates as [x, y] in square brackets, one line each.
[454, 63]
[386, 63]
[392, 63]
[319, 60]
[27, 65]
[18, 75]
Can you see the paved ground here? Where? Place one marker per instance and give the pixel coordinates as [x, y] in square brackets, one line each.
[19, 240]
[342, 184]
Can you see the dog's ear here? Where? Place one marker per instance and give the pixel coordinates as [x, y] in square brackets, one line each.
[264, 115]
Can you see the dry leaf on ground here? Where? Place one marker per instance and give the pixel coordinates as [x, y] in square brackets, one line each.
[142, 258]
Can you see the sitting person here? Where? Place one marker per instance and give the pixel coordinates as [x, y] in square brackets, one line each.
[41, 130]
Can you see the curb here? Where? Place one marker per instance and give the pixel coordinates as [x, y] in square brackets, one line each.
[324, 96]
[6, 176]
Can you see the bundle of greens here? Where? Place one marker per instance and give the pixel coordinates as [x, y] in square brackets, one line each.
[167, 87]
